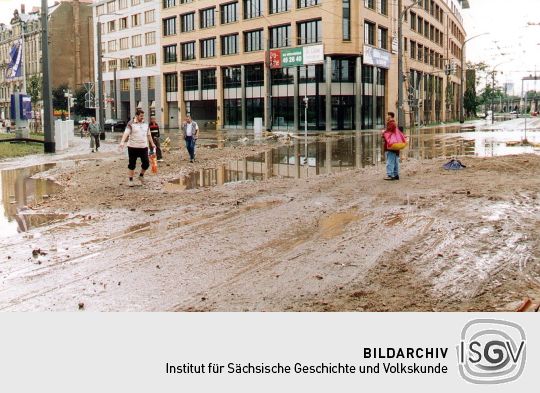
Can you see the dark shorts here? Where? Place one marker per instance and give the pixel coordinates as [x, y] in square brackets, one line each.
[134, 153]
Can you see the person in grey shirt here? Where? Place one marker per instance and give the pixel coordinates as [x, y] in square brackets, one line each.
[190, 132]
[94, 135]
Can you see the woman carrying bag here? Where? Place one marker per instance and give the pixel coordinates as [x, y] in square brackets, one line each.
[394, 141]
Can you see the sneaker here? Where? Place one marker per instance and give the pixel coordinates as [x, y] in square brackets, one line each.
[389, 178]
[131, 183]
[396, 177]
[191, 161]
[93, 151]
[141, 180]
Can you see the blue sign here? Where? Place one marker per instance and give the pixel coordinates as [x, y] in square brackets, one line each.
[14, 69]
[25, 107]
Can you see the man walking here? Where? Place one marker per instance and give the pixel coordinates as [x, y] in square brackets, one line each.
[139, 139]
[392, 156]
[190, 132]
[154, 130]
[94, 135]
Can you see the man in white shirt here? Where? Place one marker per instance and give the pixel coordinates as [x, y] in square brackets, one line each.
[139, 139]
[190, 131]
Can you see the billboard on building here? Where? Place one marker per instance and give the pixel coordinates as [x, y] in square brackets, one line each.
[293, 57]
[377, 57]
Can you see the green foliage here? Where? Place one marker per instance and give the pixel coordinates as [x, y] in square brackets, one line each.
[33, 88]
[58, 99]
[79, 108]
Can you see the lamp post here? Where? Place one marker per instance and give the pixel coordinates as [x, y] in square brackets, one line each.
[462, 89]
[493, 90]
[401, 15]
[49, 145]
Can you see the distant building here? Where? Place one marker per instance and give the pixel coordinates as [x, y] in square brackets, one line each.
[70, 48]
[130, 31]
[229, 62]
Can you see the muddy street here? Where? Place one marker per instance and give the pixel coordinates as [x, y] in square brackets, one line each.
[247, 228]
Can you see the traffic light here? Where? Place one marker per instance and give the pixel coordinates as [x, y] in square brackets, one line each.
[72, 101]
[131, 61]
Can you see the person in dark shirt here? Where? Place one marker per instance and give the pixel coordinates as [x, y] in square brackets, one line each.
[154, 130]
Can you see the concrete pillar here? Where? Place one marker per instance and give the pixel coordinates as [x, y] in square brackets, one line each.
[268, 98]
[328, 77]
[269, 165]
[219, 98]
[358, 90]
[296, 123]
[243, 96]
[144, 97]
[374, 95]
[132, 103]
[158, 101]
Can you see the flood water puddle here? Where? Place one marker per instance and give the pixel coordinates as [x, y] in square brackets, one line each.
[18, 191]
[344, 152]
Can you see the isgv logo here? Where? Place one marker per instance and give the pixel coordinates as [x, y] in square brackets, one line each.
[491, 351]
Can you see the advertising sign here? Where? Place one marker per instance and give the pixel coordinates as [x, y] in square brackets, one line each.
[293, 57]
[376, 57]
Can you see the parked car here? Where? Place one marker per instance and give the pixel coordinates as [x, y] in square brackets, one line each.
[114, 125]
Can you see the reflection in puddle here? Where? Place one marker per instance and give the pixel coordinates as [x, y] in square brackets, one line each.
[19, 190]
[350, 151]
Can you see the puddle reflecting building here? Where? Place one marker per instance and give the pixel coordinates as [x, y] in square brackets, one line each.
[219, 62]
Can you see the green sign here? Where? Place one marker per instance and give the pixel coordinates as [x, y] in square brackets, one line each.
[292, 57]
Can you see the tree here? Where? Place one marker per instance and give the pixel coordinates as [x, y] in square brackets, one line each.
[470, 102]
[79, 108]
[58, 99]
[33, 88]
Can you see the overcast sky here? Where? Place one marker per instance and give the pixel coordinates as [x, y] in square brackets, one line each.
[509, 40]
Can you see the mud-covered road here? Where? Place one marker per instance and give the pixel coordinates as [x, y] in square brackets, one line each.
[434, 241]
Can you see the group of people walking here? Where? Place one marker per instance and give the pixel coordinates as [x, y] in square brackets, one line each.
[140, 135]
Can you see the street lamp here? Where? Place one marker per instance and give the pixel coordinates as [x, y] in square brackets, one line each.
[401, 15]
[462, 89]
[493, 89]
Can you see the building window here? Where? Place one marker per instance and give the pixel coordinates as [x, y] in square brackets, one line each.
[100, 9]
[384, 7]
[280, 36]
[229, 44]
[169, 26]
[254, 75]
[382, 38]
[136, 41]
[369, 33]
[122, 4]
[111, 7]
[169, 54]
[253, 40]
[137, 61]
[123, 23]
[169, 3]
[111, 46]
[135, 2]
[149, 16]
[111, 25]
[124, 63]
[135, 20]
[190, 80]
[112, 65]
[346, 20]
[151, 59]
[413, 21]
[279, 6]
[150, 38]
[229, 12]
[253, 9]
[232, 77]
[124, 43]
[171, 83]
[137, 83]
[207, 17]
[369, 4]
[208, 48]
[309, 32]
[124, 84]
[208, 79]
[307, 3]
[151, 82]
[188, 50]
[187, 22]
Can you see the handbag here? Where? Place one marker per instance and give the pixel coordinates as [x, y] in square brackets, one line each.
[395, 140]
